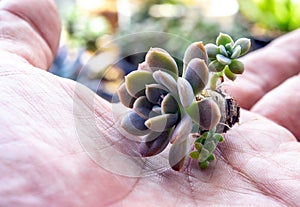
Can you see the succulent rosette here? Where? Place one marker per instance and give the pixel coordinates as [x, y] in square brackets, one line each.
[172, 105]
[223, 56]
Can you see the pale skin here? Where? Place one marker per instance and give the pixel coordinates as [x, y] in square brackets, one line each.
[43, 164]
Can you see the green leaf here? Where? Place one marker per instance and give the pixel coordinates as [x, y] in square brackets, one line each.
[136, 82]
[229, 74]
[210, 146]
[215, 66]
[198, 146]
[194, 155]
[159, 59]
[223, 39]
[223, 50]
[223, 60]
[244, 43]
[211, 158]
[204, 154]
[203, 165]
[212, 50]
[236, 52]
[218, 137]
[236, 67]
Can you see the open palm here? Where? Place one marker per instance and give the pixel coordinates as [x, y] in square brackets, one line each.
[42, 162]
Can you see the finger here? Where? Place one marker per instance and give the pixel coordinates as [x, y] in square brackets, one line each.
[282, 105]
[267, 68]
[30, 29]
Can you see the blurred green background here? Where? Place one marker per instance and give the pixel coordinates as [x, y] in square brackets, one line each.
[103, 40]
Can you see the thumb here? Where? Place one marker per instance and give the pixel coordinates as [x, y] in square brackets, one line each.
[30, 29]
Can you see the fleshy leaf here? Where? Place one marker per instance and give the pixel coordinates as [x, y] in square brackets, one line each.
[197, 74]
[229, 74]
[204, 154]
[212, 50]
[236, 52]
[223, 39]
[169, 105]
[154, 143]
[195, 155]
[244, 43]
[203, 165]
[215, 66]
[223, 60]
[134, 124]
[195, 50]
[142, 107]
[159, 59]
[185, 92]
[156, 111]
[166, 80]
[136, 82]
[161, 123]
[125, 98]
[223, 50]
[182, 129]
[205, 113]
[210, 146]
[155, 93]
[178, 153]
[236, 67]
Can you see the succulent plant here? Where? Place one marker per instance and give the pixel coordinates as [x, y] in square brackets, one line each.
[223, 56]
[172, 105]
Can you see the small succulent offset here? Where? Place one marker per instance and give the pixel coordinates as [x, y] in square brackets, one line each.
[174, 105]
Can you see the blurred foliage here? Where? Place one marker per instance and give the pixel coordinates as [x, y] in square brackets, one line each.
[83, 30]
[280, 15]
[190, 27]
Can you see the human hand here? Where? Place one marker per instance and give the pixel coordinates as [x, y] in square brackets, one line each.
[42, 118]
